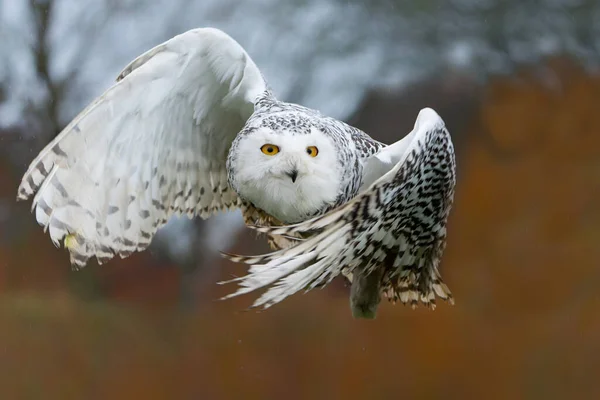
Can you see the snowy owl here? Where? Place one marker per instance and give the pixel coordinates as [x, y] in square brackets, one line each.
[191, 127]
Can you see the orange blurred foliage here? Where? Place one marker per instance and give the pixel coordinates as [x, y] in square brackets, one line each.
[522, 262]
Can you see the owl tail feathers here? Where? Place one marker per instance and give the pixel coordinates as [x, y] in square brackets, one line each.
[420, 287]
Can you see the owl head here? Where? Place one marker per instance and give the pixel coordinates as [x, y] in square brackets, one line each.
[290, 172]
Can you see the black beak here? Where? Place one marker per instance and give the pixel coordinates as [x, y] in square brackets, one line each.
[293, 174]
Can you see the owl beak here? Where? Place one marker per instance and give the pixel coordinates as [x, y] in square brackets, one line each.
[293, 174]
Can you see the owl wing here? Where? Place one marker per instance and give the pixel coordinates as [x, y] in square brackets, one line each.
[153, 145]
[395, 227]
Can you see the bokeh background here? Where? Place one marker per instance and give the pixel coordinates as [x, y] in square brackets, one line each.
[518, 85]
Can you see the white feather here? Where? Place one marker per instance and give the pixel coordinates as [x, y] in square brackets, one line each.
[338, 246]
[393, 155]
[153, 145]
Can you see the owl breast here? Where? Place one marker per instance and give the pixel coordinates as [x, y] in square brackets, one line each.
[289, 202]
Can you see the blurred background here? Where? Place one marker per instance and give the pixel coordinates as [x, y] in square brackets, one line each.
[518, 85]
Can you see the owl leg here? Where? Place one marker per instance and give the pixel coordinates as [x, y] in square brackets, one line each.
[365, 292]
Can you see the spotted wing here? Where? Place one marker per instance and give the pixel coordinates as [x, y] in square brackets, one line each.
[396, 228]
[153, 145]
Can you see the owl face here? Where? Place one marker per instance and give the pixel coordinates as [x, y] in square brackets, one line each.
[288, 175]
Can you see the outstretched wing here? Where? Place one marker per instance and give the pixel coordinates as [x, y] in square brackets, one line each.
[153, 145]
[395, 228]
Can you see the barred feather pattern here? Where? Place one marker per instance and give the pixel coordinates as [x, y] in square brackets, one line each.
[396, 229]
[152, 146]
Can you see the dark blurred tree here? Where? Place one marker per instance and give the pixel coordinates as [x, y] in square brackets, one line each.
[42, 120]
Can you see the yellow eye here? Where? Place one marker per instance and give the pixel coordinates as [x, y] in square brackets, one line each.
[270, 149]
[312, 151]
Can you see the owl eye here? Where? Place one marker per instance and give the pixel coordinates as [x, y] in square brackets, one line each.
[270, 149]
[312, 151]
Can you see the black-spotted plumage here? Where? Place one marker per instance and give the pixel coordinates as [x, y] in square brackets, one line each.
[181, 132]
[388, 240]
